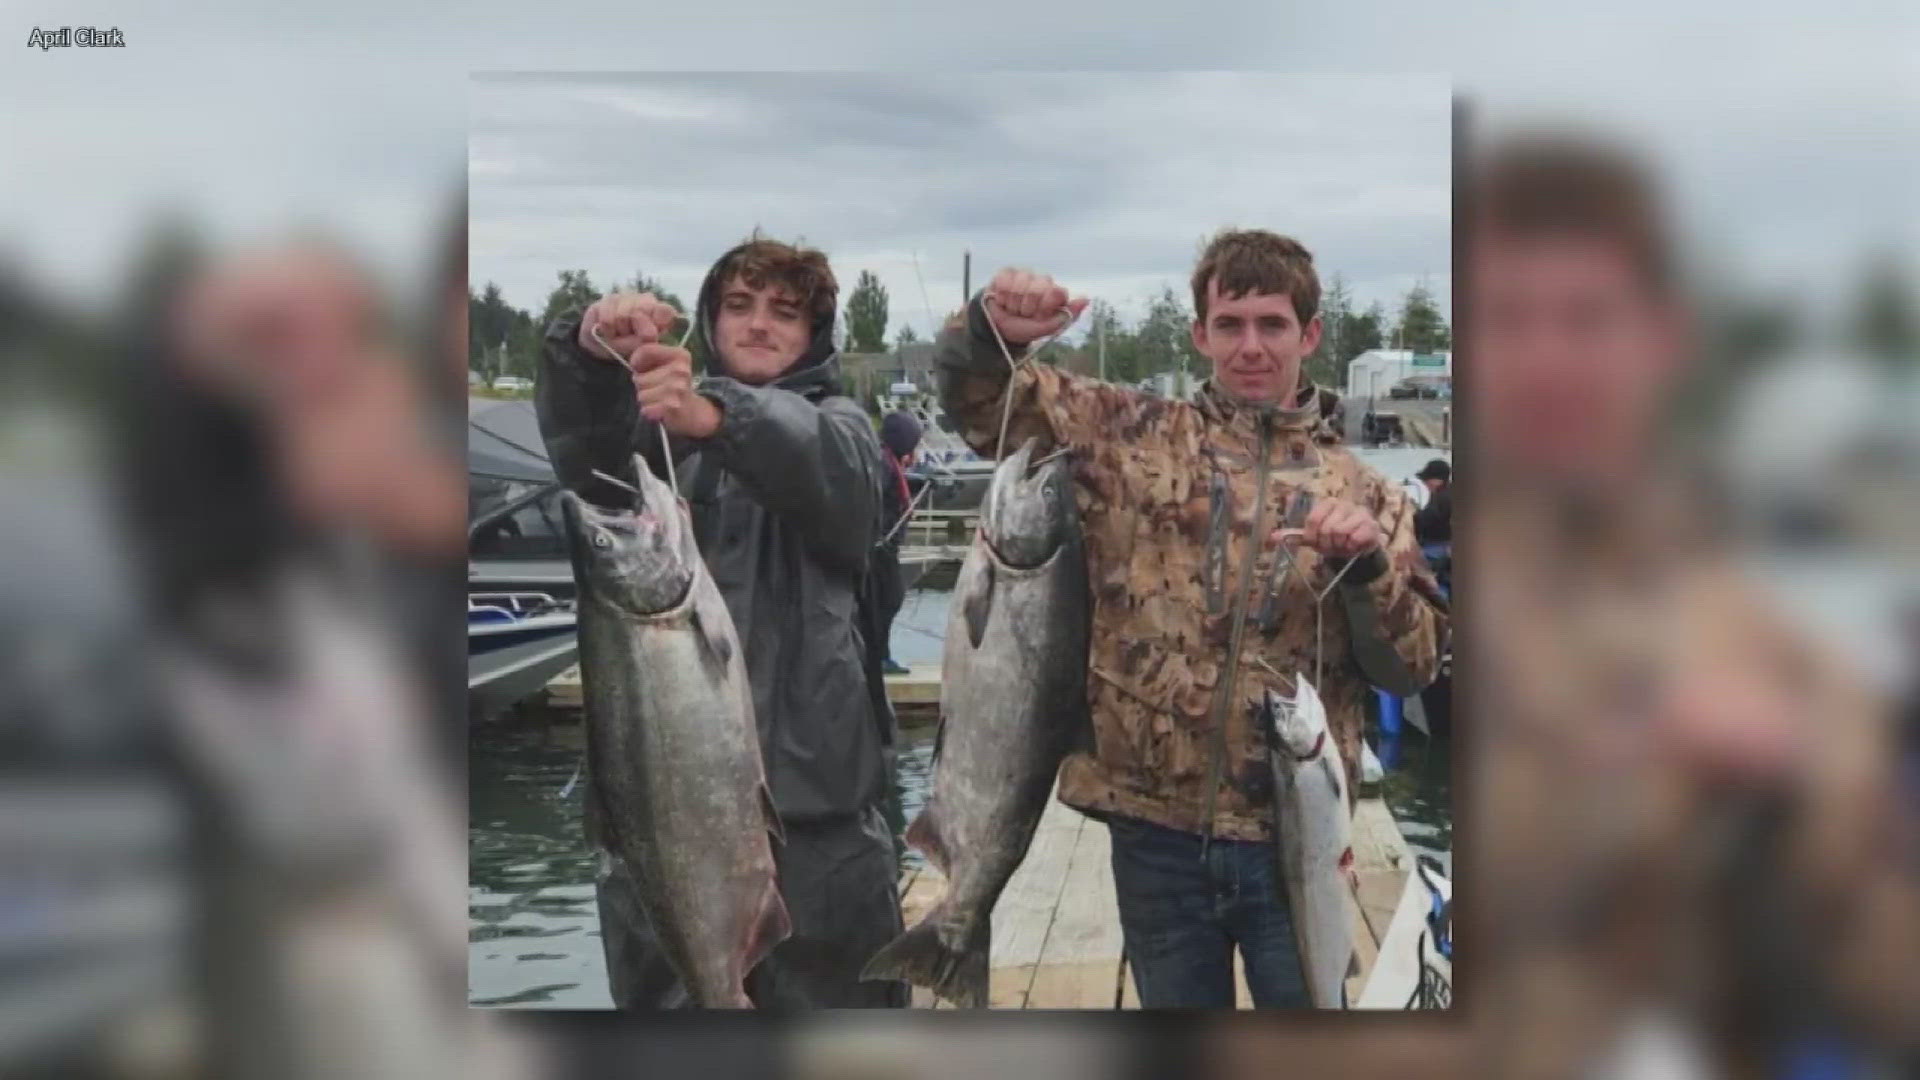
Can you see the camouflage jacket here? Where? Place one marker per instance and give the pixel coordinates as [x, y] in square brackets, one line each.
[1168, 494]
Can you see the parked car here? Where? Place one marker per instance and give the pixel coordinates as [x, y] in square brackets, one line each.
[513, 382]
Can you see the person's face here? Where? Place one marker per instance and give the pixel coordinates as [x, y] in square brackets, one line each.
[1434, 484]
[1574, 353]
[1256, 343]
[761, 332]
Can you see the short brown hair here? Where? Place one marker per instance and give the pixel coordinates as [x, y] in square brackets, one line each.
[1539, 185]
[1246, 261]
[761, 261]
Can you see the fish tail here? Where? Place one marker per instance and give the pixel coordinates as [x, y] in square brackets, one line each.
[920, 957]
[771, 926]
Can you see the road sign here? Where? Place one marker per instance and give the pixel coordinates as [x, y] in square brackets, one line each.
[1431, 360]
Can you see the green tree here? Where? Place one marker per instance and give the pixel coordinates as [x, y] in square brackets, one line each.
[490, 322]
[1166, 337]
[573, 293]
[523, 346]
[1364, 332]
[1421, 328]
[867, 315]
[1105, 330]
[905, 337]
[1327, 364]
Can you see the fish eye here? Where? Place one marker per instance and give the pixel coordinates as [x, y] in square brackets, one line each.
[601, 540]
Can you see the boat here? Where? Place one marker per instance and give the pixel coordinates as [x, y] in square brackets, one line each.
[958, 477]
[521, 626]
[1414, 968]
[514, 651]
[958, 484]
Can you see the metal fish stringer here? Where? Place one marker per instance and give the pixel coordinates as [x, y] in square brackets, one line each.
[666, 448]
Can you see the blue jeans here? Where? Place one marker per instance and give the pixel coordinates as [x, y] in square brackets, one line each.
[1182, 918]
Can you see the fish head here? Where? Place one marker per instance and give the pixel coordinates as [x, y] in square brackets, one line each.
[1029, 511]
[1299, 718]
[639, 557]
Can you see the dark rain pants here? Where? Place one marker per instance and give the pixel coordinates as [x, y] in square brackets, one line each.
[839, 881]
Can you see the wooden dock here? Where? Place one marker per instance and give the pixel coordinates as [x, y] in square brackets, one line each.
[1056, 929]
[932, 527]
[918, 689]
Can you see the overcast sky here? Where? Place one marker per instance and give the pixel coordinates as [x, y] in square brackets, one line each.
[1107, 181]
[1786, 130]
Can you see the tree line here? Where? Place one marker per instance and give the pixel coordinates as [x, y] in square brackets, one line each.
[505, 340]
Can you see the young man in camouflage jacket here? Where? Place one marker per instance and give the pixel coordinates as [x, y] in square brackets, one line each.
[1187, 508]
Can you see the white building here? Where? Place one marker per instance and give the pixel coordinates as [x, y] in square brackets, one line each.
[1178, 385]
[1376, 371]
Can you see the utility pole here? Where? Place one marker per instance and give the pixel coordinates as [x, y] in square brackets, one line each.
[966, 277]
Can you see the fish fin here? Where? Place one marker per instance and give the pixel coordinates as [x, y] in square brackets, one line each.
[771, 926]
[772, 812]
[921, 958]
[977, 604]
[711, 627]
[924, 835]
[1334, 779]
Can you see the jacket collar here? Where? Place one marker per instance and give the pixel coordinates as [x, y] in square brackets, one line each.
[1302, 412]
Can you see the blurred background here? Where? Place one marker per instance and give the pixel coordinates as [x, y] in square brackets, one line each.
[231, 331]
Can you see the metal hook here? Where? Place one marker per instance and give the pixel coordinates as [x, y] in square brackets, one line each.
[616, 482]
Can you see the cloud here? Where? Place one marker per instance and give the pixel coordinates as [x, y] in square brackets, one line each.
[1107, 181]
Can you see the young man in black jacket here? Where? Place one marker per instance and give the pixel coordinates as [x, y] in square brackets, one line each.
[783, 475]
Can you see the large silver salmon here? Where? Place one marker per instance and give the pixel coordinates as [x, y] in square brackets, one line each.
[673, 754]
[1012, 703]
[1315, 823]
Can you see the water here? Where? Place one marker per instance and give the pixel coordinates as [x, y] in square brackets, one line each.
[1419, 791]
[535, 940]
[534, 930]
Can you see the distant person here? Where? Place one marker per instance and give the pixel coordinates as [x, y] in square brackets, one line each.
[1433, 524]
[900, 437]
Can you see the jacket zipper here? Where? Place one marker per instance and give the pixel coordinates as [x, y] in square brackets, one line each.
[1223, 692]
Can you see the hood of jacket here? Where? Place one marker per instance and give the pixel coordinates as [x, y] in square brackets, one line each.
[815, 375]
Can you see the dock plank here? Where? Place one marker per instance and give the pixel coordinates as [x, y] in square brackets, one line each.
[1086, 924]
[919, 686]
[1088, 985]
[564, 690]
[1056, 936]
[1026, 907]
[1079, 964]
[1366, 950]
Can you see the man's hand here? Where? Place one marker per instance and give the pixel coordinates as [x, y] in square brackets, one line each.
[663, 379]
[627, 320]
[1027, 306]
[1338, 529]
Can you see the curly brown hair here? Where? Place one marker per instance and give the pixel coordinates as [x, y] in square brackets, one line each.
[1257, 261]
[761, 261]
